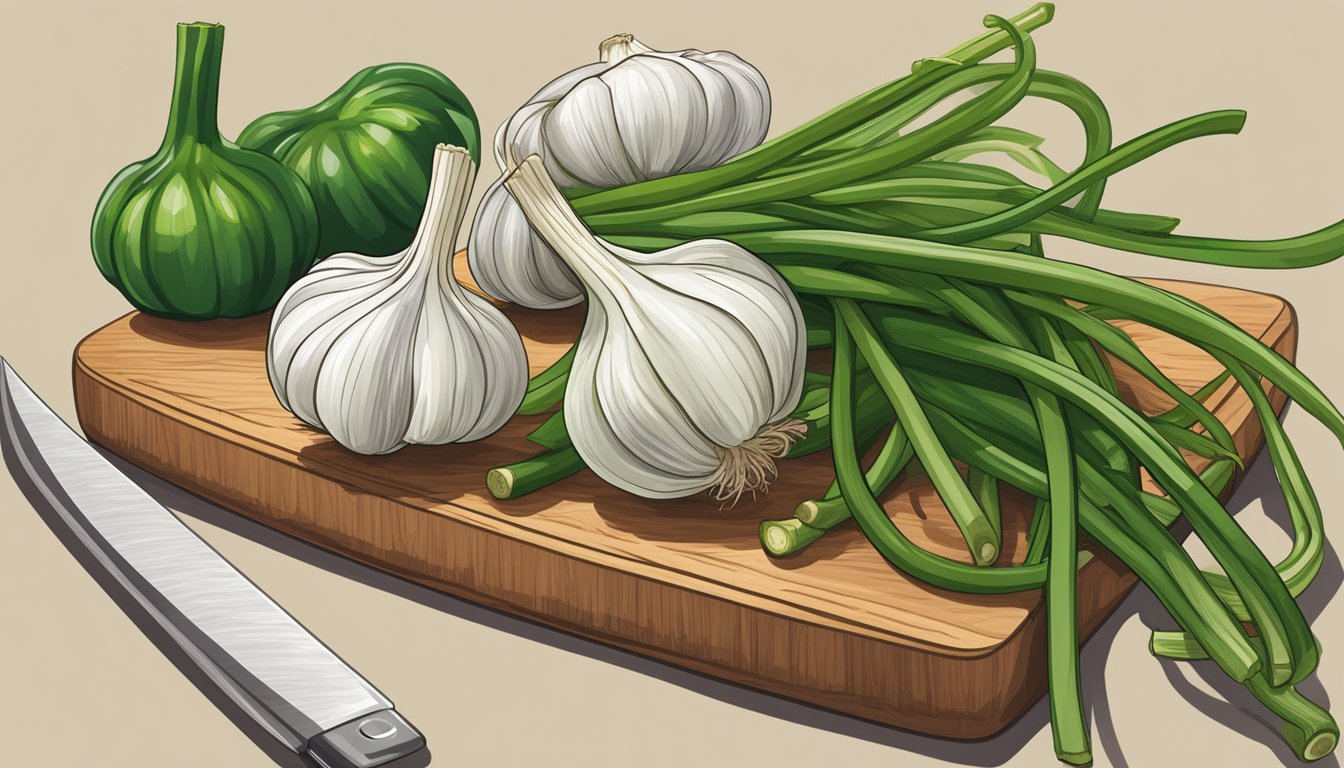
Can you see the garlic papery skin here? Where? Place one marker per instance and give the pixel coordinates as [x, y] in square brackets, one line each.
[384, 351]
[689, 362]
[637, 114]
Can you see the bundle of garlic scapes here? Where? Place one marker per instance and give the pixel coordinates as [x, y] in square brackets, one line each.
[382, 351]
[636, 114]
[958, 347]
[688, 364]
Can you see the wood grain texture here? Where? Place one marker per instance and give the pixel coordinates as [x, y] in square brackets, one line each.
[682, 581]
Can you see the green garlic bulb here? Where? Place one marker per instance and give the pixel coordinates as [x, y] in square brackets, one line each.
[203, 228]
[363, 152]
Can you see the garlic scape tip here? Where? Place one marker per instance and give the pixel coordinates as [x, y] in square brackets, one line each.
[383, 351]
[689, 362]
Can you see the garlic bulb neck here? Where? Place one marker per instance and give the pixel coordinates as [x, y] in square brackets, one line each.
[555, 221]
[451, 176]
[617, 48]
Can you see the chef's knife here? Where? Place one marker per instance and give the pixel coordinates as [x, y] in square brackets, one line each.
[276, 671]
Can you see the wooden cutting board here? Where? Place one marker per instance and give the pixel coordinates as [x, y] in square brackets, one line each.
[682, 581]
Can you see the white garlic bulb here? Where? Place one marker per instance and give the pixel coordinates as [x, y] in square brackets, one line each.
[637, 114]
[689, 362]
[382, 351]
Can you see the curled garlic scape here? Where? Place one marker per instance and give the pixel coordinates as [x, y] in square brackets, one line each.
[382, 351]
[636, 114]
[689, 362]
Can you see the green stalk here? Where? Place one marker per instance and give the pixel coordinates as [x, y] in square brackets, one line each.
[790, 145]
[1144, 303]
[1067, 722]
[1038, 535]
[1180, 415]
[547, 388]
[552, 433]
[1123, 348]
[1122, 157]
[820, 281]
[786, 537]
[1174, 579]
[889, 541]
[1319, 247]
[192, 117]
[1019, 146]
[1307, 727]
[873, 413]
[519, 479]
[1052, 86]
[780, 538]
[991, 42]
[831, 510]
[1293, 648]
[985, 489]
[1299, 567]
[1303, 561]
[970, 519]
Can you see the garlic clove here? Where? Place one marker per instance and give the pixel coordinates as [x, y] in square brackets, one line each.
[305, 325]
[582, 136]
[520, 136]
[665, 472]
[750, 104]
[660, 113]
[783, 360]
[510, 262]
[727, 379]
[364, 402]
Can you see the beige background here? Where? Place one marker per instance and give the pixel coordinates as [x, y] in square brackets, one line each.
[85, 91]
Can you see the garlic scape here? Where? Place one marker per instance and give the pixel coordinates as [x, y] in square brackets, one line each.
[382, 351]
[637, 114]
[689, 361]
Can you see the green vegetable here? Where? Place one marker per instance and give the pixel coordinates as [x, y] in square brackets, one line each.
[364, 152]
[926, 275]
[202, 228]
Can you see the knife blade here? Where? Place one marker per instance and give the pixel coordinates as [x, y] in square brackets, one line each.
[282, 676]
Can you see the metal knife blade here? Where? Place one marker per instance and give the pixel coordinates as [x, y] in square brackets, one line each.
[259, 655]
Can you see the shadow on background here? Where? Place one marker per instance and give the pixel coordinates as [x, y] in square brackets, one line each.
[1237, 709]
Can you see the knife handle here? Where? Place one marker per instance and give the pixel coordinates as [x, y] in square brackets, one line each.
[366, 742]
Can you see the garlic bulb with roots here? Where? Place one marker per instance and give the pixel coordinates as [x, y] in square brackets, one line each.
[689, 362]
[382, 351]
[637, 114]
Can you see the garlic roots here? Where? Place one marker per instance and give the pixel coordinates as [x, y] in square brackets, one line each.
[637, 114]
[382, 351]
[689, 362]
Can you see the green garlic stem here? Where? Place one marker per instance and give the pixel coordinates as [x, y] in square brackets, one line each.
[781, 538]
[547, 388]
[524, 477]
[193, 115]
